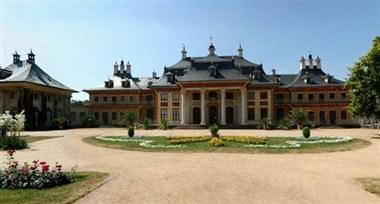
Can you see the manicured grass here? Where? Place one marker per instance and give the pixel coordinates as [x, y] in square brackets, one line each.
[30, 139]
[84, 184]
[371, 185]
[230, 147]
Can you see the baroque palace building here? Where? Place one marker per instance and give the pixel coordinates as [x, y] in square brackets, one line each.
[228, 90]
[25, 86]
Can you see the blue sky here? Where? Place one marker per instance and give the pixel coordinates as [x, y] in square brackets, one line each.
[77, 42]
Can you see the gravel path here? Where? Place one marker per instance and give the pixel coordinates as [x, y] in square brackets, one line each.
[147, 177]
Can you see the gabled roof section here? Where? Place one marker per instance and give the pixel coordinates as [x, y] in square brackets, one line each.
[23, 71]
[135, 83]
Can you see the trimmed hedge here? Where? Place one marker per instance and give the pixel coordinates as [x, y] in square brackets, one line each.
[246, 139]
[184, 140]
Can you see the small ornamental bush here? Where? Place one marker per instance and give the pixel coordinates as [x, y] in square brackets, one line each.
[164, 124]
[147, 123]
[88, 121]
[60, 121]
[306, 132]
[216, 142]
[12, 142]
[131, 131]
[285, 123]
[264, 123]
[37, 175]
[214, 129]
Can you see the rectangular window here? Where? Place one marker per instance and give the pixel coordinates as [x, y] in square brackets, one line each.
[175, 114]
[96, 115]
[343, 95]
[263, 95]
[310, 115]
[13, 95]
[196, 96]
[105, 99]
[48, 98]
[229, 95]
[263, 113]
[36, 96]
[114, 116]
[131, 98]
[73, 116]
[311, 97]
[175, 96]
[343, 115]
[164, 96]
[300, 97]
[279, 97]
[251, 113]
[96, 99]
[321, 97]
[122, 99]
[164, 113]
[332, 95]
[114, 99]
[251, 95]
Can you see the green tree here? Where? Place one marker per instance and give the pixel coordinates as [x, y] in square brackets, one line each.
[298, 116]
[128, 119]
[364, 83]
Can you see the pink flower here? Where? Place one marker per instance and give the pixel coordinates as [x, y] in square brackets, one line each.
[45, 168]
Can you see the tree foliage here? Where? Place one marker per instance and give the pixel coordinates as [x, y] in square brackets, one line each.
[364, 83]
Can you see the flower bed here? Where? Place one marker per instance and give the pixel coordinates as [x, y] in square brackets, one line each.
[38, 175]
[246, 139]
[142, 142]
[184, 140]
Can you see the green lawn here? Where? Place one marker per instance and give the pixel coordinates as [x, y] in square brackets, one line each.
[371, 185]
[84, 184]
[230, 147]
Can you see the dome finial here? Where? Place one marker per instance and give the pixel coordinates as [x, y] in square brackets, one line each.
[183, 51]
[240, 50]
[211, 48]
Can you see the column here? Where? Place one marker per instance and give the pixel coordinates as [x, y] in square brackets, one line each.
[223, 106]
[183, 99]
[203, 108]
[243, 106]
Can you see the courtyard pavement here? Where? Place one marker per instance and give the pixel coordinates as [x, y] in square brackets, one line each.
[148, 177]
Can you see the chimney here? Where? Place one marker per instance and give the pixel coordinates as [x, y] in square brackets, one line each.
[16, 58]
[211, 49]
[310, 61]
[240, 51]
[318, 63]
[122, 67]
[183, 52]
[154, 75]
[115, 68]
[273, 72]
[31, 57]
[128, 70]
[302, 63]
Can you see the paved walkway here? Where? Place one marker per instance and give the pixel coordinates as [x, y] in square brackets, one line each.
[146, 177]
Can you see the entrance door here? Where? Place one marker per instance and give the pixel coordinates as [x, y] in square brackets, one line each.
[332, 117]
[212, 114]
[322, 119]
[196, 116]
[280, 114]
[229, 115]
[149, 113]
[105, 118]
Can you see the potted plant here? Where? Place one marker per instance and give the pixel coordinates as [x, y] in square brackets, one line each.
[214, 129]
[131, 131]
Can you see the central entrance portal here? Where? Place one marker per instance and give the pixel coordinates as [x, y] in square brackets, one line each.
[212, 114]
[230, 115]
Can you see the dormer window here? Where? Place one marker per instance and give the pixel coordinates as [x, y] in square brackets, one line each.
[170, 77]
[108, 84]
[126, 84]
[327, 78]
[212, 70]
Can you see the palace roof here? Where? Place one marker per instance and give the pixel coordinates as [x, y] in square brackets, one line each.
[25, 71]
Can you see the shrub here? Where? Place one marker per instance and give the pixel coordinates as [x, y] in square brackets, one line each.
[184, 140]
[246, 139]
[306, 132]
[164, 124]
[285, 123]
[88, 121]
[264, 123]
[13, 142]
[147, 123]
[307, 124]
[214, 129]
[298, 117]
[131, 131]
[60, 121]
[38, 175]
[128, 119]
[216, 142]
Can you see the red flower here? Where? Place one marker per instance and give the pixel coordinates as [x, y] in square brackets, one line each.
[45, 168]
[42, 163]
